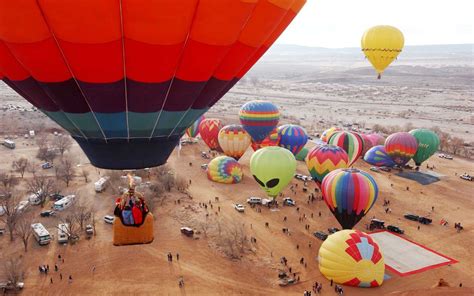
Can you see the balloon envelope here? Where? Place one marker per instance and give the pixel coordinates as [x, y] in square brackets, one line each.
[126, 78]
[224, 169]
[328, 133]
[378, 156]
[292, 137]
[259, 118]
[381, 45]
[234, 140]
[401, 147]
[301, 156]
[349, 194]
[273, 168]
[428, 144]
[209, 129]
[322, 160]
[351, 142]
[353, 258]
[273, 139]
[376, 139]
[193, 130]
[367, 143]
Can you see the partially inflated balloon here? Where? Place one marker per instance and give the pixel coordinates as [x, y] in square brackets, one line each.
[209, 129]
[193, 130]
[273, 168]
[126, 78]
[428, 144]
[376, 139]
[292, 137]
[378, 156]
[401, 147]
[224, 169]
[367, 143]
[351, 142]
[259, 118]
[301, 156]
[324, 159]
[234, 140]
[381, 45]
[349, 194]
[328, 133]
[273, 139]
[353, 258]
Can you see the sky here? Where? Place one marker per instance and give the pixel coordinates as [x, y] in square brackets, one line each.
[341, 23]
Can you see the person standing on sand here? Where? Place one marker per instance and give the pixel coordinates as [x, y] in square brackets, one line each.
[61, 276]
[177, 256]
[51, 280]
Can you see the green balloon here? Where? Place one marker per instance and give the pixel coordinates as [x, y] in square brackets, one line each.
[301, 156]
[273, 168]
[428, 144]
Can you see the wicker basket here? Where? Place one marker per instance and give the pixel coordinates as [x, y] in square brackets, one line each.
[131, 235]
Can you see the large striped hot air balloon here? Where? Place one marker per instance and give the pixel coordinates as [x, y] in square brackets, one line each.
[209, 129]
[352, 258]
[351, 142]
[322, 160]
[378, 156]
[126, 78]
[273, 139]
[224, 169]
[349, 194]
[234, 140]
[328, 133]
[292, 137]
[259, 118]
[193, 130]
[401, 147]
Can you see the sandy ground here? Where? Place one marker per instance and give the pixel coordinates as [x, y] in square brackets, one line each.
[144, 270]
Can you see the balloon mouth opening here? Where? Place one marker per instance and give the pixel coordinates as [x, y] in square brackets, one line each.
[351, 170]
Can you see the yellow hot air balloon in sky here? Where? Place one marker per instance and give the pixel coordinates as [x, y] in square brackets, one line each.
[381, 45]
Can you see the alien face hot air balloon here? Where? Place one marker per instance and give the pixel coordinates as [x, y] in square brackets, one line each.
[273, 168]
[292, 137]
[224, 169]
[193, 130]
[401, 147]
[351, 142]
[126, 78]
[273, 139]
[259, 118]
[234, 140]
[322, 160]
[349, 194]
[381, 45]
[378, 156]
[353, 258]
[209, 129]
[328, 133]
[428, 144]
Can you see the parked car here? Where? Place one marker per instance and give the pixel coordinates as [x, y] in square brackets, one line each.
[333, 230]
[239, 208]
[376, 224]
[321, 235]
[448, 157]
[395, 229]
[46, 165]
[48, 213]
[188, 231]
[109, 219]
[299, 176]
[411, 217]
[5, 286]
[55, 196]
[385, 169]
[289, 202]
[205, 155]
[22, 205]
[425, 220]
[254, 200]
[89, 230]
[204, 166]
[268, 202]
[466, 177]
[374, 169]
[2, 231]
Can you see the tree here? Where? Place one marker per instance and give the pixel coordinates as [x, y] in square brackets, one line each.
[23, 230]
[43, 186]
[33, 167]
[20, 166]
[82, 213]
[46, 154]
[62, 143]
[14, 270]
[7, 181]
[9, 204]
[66, 170]
[42, 141]
[456, 144]
[72, 228]
[85, 174]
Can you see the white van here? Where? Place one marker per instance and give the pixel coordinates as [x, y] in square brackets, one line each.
[34, 198]
[64, 203]
[9, 144]
[101, 184]
[63, 233]
[40, 233]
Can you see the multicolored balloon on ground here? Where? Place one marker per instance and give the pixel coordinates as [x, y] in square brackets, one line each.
[328, 133]
[401, 147]
[301, 156]
[209, 129]
[378, 156]
[259, 118]
[234, 140]
[273, 168]
[428, 144]
[127, 78]
[351, 142]
[381, 46]
[292, 137]
[193, 130]
[322, 160]
[224, 169]
[349, 194]
[352, 258]
[376, 139]
[273, 139]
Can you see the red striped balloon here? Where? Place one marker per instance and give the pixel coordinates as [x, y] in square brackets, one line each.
[351, 142]
[209, 129]
[401, 147]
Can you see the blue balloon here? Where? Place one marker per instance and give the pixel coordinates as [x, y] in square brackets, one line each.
[378, 156]
[292, 137]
